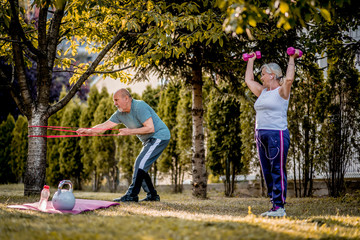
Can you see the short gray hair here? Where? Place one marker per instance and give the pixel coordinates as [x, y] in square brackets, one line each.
[275, 69]
[123, 92]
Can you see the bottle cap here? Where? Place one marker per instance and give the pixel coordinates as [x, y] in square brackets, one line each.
[46, 186]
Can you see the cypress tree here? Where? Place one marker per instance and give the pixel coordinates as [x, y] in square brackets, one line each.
[6, 129]
[170, 159]
[104, 147]
[69, 148]
[87, 120]
[53, 173]
[19, 146]
[129, 148]
[152, 96]
[184, 131]
[224, 143]
[339, 102]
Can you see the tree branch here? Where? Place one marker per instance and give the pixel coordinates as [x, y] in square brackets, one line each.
[44, 66]
[76, 87]
[17, 27]
[19, 65]
[31, 54]
[98, 72]
[53, 34]
[11, 40]
[27, 51]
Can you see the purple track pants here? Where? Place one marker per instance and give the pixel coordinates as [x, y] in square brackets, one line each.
[273, 146]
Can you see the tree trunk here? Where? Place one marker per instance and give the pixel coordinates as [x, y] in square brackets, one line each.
[35, 173]
[176, 181]
[78, 184]
[294, 172]
[300, 178]
[97, 181]
[233, 179]
[227, 179]
[198, 158]
[181, 179]
[306, 154]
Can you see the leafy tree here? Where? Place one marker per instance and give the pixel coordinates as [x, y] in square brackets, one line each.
[185, 40]
[87, 120]
[243, 16]
[128, 149]
[6, 129]
[316, 43]
[247, 123]
[224, 143]
[53, 173]
[19, 148]
[339, 102]
[333, 41]
[104, 148]
[170, 159]
[304, 128]
[184, 130]
[69, 148]
[151, 96]
[25, 40]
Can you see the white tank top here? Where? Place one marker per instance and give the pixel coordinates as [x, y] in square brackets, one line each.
[271, 110]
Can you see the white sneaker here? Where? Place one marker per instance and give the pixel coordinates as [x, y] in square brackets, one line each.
[275, 212]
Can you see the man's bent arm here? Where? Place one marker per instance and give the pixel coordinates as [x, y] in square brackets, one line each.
[148, 127]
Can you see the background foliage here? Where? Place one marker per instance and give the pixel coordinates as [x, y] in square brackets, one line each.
[179, 40]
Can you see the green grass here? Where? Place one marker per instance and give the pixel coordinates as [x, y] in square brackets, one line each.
[180, 216]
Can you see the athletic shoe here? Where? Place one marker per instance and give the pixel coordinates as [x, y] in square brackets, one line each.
[127, 198]
[151, 198]
[275, 212]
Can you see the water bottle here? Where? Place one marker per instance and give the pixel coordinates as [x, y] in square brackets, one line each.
[45, 193]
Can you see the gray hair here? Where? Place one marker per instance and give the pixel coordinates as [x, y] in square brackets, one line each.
[275, 69]
[123, 92]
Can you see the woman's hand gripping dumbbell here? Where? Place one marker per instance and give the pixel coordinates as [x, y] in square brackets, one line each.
[247, 56]
[291, 51]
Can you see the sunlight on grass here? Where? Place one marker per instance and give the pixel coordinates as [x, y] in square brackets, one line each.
[181, 216]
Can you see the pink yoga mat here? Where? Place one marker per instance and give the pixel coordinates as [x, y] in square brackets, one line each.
[81, 205]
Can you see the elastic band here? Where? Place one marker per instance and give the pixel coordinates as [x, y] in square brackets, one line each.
[71, 127]
[65, 129]
[83, 135]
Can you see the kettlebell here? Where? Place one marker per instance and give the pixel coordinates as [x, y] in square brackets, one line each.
[64, 199]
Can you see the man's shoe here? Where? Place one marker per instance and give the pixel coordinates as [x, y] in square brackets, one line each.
[151, 198]
[275, 212]
[127, 198]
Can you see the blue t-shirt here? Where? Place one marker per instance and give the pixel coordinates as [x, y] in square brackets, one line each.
[139, 113]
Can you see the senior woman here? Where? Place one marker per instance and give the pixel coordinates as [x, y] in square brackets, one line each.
[271, 132]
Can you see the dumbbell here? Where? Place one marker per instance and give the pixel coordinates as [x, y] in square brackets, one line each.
[247, 56]
[291, 51]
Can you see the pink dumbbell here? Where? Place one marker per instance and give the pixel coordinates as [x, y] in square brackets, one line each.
[291, 51]
[247, 56]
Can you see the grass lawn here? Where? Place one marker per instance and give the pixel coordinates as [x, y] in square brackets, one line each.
[180, 216]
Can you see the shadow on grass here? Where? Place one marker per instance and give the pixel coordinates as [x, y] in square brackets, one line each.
[189, 219]
[180, 216]
[15, 224]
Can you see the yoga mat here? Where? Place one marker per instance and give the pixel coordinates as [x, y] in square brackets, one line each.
[81, 205]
